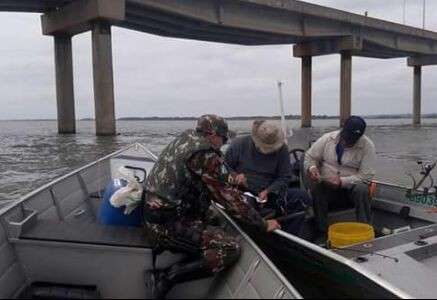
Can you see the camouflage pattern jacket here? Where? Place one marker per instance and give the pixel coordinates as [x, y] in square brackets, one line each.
[188, 174]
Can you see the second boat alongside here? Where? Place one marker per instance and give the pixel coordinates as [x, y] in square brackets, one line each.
[400, 263]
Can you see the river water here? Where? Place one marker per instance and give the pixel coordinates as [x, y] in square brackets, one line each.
[32, 153]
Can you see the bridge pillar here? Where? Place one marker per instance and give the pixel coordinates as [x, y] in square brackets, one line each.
[64, 85]
[103, 78]
[345, 86]
[306, 91]
[418, 62]
[417, 95]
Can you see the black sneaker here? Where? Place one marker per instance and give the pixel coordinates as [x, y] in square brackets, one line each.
[158, 285]
[149, 281]
[321, 240]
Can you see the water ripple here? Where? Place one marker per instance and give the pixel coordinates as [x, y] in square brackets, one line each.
[32, 154]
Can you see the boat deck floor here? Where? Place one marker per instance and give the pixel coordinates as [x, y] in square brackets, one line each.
[381, 219]
[394, 221]
[407, 260]
[431, 262]
[87, 233]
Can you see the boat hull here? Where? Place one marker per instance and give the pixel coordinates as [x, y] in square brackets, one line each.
[315, 274]
[52, 236]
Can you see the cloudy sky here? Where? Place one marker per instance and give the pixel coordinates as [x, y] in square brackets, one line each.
[157, 76]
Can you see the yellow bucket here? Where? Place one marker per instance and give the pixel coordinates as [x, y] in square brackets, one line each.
[346, 234]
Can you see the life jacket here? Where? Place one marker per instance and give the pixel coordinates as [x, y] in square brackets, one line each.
[176, 186]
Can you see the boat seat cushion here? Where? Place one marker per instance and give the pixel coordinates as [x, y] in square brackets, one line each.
[87, 233]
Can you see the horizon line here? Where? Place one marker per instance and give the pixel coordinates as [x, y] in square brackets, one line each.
[319, 116]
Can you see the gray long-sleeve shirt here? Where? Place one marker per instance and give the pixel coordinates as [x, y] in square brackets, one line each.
[263, 171]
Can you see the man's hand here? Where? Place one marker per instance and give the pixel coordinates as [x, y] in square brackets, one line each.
[238, 180]
[264, 196]
[241, 180]
[333, 182]
[314, 174]
[272, 225]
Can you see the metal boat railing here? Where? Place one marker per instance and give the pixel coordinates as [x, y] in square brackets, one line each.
[77, 173]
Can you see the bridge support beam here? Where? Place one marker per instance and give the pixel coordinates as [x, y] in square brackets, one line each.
[103, 79]
[328, 46]
[346, 46]
[64, 85]
[345, 86]
[306, 91]
[417, 62]
[427, 60]
[417, 95]
[71, 19]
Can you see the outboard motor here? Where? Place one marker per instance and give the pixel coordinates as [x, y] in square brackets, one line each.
[122, 200]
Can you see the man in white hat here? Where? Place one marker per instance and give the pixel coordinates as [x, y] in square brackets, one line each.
[263, 164]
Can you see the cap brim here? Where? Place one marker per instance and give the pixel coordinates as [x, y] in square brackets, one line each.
[265, 148]
[351, 137]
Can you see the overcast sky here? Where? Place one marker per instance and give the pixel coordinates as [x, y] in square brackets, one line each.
[157, 76]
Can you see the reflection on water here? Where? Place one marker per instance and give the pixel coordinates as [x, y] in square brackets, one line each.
[32, 153]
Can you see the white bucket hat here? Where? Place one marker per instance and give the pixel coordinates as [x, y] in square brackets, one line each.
[267, 136]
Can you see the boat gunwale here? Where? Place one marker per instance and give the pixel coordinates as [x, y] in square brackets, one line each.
[259, 252]
[70, 174]
[348, 262]
[75, 245]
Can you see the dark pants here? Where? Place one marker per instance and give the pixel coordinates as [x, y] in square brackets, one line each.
[198, 240]
[296, 200]
[324, 197]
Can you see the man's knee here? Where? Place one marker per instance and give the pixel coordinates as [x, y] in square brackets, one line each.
[299, 196]
[360, 191]
[233, 254]
[319, 193]
[223, 255]
[222, 250]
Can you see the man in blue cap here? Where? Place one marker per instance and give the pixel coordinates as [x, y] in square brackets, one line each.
[340, 166]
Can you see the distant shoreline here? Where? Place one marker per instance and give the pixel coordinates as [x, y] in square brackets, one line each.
[288, 117]
[244, 118]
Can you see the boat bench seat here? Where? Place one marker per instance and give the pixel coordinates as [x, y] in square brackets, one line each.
[72, 231]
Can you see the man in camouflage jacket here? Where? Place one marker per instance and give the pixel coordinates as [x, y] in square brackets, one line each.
[190, 172]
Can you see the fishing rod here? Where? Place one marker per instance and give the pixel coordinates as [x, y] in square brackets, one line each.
[405, 12]
[424, 14]
[426, 173]
[282, 110]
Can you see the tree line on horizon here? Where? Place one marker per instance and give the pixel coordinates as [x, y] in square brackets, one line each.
[288, 117]
[242, 118]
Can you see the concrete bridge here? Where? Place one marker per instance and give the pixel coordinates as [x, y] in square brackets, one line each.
[315, 30]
